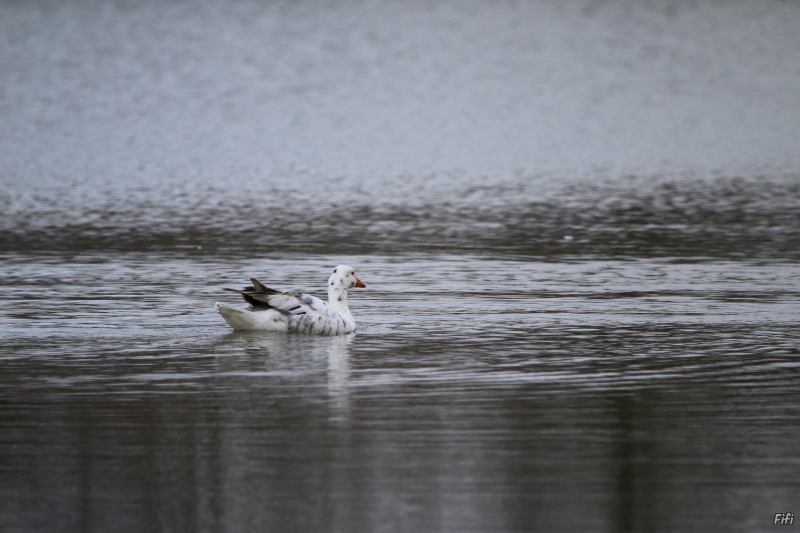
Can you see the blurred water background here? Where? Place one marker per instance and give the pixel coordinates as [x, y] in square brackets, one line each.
[579, 225]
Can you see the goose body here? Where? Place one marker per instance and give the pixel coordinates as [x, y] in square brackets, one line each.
[299, 312]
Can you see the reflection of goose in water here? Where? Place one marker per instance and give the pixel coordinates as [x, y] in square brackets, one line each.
[320, 362]
[296, 311]
[305, 357]
[339, 377]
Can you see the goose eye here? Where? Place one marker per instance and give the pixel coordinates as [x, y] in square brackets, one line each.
[334, 270]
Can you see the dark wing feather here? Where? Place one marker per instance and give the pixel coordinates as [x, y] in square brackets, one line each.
[261, 297]
[260, 287]
[258, 295]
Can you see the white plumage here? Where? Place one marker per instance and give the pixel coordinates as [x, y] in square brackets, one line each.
[272, 310]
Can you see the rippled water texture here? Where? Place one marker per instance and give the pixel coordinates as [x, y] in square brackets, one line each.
[477, 394]
[578, 223]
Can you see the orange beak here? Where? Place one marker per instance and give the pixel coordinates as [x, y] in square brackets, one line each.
[360, 283]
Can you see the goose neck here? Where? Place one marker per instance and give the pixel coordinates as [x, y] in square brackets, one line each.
[338, 299]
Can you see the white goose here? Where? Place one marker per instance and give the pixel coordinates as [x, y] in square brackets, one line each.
[272, 310]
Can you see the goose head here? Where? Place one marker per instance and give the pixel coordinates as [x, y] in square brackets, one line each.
[342, 278]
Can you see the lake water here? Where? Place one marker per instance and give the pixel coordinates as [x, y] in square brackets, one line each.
[578, 223]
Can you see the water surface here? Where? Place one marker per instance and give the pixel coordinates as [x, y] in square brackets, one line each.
[477, 395]
[579, 225]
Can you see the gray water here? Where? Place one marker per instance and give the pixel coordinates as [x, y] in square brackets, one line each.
[578, 223]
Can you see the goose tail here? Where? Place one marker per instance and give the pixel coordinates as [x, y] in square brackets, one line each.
[244, 319]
